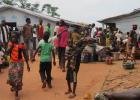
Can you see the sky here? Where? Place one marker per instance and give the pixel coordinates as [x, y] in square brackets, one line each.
[90, 11]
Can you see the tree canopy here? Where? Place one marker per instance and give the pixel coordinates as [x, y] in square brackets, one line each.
[25, 4]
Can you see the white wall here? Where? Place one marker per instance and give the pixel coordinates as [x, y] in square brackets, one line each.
[11, 15]
[125, 24]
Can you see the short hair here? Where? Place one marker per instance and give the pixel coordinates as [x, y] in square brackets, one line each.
[46, 36]
[57, 23]
[28, 19]
[62, 23]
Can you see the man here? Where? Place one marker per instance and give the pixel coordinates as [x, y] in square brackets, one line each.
[93, 31]
[133, 40]
[62, 43]
[48, 29]
[40, 30]
[28, 37]
[4, 32]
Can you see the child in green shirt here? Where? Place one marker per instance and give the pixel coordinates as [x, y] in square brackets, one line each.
[47, 52]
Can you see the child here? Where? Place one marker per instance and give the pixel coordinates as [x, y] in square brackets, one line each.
[109, 56]
[73, 55]
[46, 60]
[17, 51]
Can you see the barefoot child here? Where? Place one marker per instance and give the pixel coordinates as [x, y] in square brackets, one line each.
[15, 75]
[46, 60]
[73, 55]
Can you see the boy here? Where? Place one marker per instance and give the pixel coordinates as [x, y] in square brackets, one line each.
[73, 55]
[46, 60]
[28, 37]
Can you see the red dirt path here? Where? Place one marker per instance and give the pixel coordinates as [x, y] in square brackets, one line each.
[90, 80]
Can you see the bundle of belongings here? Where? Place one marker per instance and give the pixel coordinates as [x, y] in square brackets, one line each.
[101, 51]
[89, 51]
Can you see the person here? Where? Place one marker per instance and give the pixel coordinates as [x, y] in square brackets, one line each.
[28, 37]
[48, 29]
[55, 34]
[93, 31]
[109, 57]
[17, 51]
[99, 36]
[55, 31]
[133, 40]
[47, 52]
[118, 35]
[4, 32]
[34, 36]
[40, 30]
[108, 39]
[62, 43]
[75, 36]
[73, 55]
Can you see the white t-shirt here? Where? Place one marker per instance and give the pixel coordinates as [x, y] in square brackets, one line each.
[118, 35]
[93, 32]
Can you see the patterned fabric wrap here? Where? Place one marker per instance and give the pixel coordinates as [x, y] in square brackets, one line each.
[15, 74]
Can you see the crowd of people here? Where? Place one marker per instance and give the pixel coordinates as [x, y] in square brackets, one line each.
[86, 44]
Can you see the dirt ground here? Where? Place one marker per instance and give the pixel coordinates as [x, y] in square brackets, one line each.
[92, 78]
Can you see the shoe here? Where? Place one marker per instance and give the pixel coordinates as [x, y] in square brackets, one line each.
[44, 84]
[49, 84]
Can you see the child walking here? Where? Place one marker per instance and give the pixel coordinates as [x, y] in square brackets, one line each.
[17, 51]
[73, 55]
[47, 52]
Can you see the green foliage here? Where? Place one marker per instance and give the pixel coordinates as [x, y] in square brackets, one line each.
[25, 4]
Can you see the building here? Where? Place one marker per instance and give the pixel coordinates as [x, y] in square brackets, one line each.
[123, 22]
[16, 16]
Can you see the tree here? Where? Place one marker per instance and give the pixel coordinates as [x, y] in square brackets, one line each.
[35, 7]
[53, 12]
[23, 4]
[50, 10]
[9, 2]
[46, 8]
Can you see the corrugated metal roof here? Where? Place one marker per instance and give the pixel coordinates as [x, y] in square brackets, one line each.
[135, 11]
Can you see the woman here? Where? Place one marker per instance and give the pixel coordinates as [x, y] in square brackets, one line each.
[15, 75]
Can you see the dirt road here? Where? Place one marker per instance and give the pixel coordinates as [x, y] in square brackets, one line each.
[90, 80]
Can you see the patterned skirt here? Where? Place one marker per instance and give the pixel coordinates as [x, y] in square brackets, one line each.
[15, 75]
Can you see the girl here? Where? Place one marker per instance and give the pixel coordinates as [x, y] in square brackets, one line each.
[16, 51]
[46, 60]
